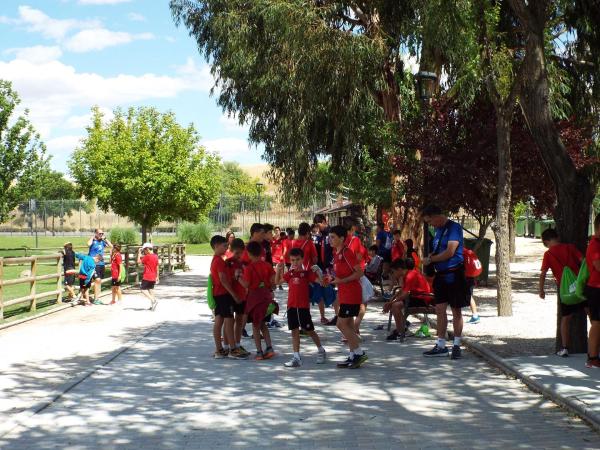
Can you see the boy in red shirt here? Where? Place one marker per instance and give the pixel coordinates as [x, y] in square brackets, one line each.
[115, 273]
[398, 249]
[347, 271]
[298, 308]
[258, 278]
[287, 246]
[354, 243]
[592, 294]
[150, 261]
[236, 268]
[557, 257]
[257, 234]
[225, 298]
[415, 290]
[305, 243]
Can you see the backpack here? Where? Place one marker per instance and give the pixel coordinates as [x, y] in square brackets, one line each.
[473, 267]
[210, 299]
[582, 278]
[568, 287]
[122, 274]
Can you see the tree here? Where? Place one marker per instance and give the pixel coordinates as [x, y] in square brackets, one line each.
[22, 154]
[142, 164]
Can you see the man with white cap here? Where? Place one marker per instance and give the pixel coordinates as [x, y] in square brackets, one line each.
[150, 261]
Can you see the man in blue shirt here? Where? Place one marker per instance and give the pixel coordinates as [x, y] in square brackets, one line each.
[449, 285]
[97, 243]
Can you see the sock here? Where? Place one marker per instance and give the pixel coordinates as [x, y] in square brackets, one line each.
[441, 343]
[297, 355]
[457, 340]
[321, 349]
[351, 355]
[226, 347]
[237, 345]
[358, 351]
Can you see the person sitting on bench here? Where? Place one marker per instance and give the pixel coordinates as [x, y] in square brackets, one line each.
[415, 290]
[373, 266]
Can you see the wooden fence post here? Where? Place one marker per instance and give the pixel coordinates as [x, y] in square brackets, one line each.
[32, 284]
[59, 285]
[126, 262]
[1, 288]
[170, 248]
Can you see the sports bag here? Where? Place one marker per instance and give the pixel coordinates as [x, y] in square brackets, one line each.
[473, 267]
[582, 278]
[568, 288]
[122, 274]
[210, 299]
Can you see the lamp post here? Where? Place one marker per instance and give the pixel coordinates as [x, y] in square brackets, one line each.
[425, 88]
[259, 187]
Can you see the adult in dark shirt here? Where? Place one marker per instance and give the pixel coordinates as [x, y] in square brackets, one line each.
[69, 271]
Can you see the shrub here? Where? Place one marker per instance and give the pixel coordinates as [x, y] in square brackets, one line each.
[124, 236]
[194, 233]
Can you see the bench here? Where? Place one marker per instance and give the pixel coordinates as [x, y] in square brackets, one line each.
[426, 310]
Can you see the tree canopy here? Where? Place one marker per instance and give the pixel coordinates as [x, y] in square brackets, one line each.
[144, 165]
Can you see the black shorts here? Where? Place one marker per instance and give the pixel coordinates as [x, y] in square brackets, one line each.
[224, 306]
[83, 285]
[455, 293]
[69, 280]
[147, 285]
[300, 318]
[115, 282]
[414, 302]
[239, 308]
[593, 302]
[100, 271]
[348, 311]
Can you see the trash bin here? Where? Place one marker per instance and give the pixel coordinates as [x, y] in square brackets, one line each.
[541, 226]
[483, 253]
[521, 224]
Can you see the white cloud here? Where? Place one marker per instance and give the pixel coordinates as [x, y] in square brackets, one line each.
[84, 120]
[53, 90]
[135, 17]
[36, 54]
[170, 39]
[230, 149]
[37, 21]
[101, 2]
[63, 144]
[100, 38]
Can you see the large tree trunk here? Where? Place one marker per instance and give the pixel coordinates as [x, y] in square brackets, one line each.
[501, 227]
[144, 233]
[513, 236]
[573, 190]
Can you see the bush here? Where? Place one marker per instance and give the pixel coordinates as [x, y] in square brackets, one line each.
[194, 233]
[124, 236]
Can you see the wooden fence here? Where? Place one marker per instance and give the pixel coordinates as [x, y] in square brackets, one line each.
[170, 256]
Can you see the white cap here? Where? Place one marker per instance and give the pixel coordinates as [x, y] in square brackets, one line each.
[147, 245]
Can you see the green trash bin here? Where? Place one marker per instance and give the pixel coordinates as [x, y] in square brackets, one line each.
[520, 226]
[541, 226]
[483, 253]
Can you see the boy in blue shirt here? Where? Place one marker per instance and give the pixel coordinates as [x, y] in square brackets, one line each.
[97, 244]
[87, 274]
[449, 286]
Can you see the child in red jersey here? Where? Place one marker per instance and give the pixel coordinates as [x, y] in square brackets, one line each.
[257, 234]
[298, 308]
[115, 273]
[149, 260]
[258, 278]
[236, 268]
[305, 243]
[287, 246]
[415, 290]
[398, 246]
[225, 298]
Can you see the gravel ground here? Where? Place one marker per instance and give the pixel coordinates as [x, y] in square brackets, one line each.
[532, 327]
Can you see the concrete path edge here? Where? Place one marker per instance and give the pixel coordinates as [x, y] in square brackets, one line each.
[575, 407]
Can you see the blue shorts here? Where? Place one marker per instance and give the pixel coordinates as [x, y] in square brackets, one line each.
[318, 293]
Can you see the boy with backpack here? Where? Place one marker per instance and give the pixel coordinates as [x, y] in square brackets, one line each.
[298, 279]
[558, 257]
[258, 278]
[473, 269]
[236, 268]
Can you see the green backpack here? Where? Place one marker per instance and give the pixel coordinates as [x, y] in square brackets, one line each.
[210, 299]
[568, 287]
[122, 274]
[582, 279]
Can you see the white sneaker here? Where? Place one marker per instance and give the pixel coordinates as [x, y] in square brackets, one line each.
[294, 362]
[321, 357]
[563, 353]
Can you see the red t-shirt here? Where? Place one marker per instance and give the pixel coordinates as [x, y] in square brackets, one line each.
[218, 265]
[228, 254]
[415, 258]
[398, 250]
[415, 284]
[115, 265]
[344, 263]
[235, 266]
[559, 256]
[593, 254]
[299, 287]
[246, 257]
[354, 244]
[258, 272]
[150, 262]
[277, 250]
[309, 249]
[287, 245]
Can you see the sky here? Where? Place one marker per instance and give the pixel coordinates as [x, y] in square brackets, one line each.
[65, 56]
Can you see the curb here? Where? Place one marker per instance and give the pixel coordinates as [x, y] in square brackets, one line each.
[21, 418]
[575, 407]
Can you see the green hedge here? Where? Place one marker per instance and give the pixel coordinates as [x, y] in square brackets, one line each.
[124, 236]
[194, 233]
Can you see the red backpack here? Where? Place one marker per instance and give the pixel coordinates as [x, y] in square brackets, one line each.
[473, 267]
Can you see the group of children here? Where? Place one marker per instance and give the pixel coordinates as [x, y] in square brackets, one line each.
[92, 267]
[328, 266]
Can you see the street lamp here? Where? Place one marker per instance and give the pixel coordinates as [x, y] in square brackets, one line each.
[425, 88]
[259, 187]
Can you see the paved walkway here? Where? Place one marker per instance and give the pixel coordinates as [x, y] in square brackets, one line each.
[165, 391]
